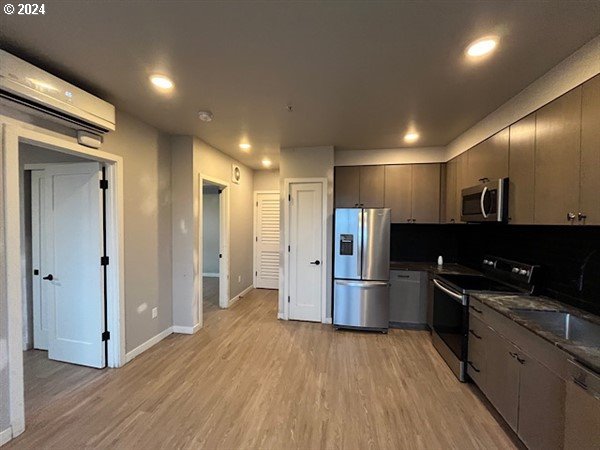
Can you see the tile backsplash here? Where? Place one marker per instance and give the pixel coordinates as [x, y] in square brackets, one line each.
[569, 255]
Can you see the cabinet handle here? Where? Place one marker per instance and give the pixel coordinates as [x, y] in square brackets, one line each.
[478, 311]
[570, 216]
[403, 276]
[474, 334]
[473, 366]
[517, 357]
[581, 217]
[581, 384]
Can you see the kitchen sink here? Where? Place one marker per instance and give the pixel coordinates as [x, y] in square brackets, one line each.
[564, 325]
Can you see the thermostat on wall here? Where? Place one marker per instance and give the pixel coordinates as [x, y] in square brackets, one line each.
[236, 173]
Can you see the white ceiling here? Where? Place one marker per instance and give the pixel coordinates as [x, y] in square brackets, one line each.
[358, 74]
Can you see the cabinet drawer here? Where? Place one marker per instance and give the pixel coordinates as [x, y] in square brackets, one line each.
[477, 353]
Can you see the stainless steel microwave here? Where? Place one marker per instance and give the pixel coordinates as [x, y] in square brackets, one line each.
[487, 202]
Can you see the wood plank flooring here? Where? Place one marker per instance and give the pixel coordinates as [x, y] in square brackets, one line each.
[248, 380]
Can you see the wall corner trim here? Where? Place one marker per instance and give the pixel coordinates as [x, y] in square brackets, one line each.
[240, 295]
[146, 345]
[280, 316]
[327, 320]
[5, 436]
[186, 330]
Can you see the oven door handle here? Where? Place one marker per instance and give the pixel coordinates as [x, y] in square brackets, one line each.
[444, 289]
[482, 202]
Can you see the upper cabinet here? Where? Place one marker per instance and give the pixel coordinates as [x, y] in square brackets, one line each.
[521, 171]
[398, 180]
[558, 159]
[425, 193]
[590, 152]
[412, 191]
[450, 201]
[359, 186]
[347, 187]
[488, 160]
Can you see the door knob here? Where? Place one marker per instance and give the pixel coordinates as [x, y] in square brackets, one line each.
[316, 263]
[49, 277]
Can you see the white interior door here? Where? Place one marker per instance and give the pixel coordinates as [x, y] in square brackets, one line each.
[72, 247]
[306, 251]
[266, 250]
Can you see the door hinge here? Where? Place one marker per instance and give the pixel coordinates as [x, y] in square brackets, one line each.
[104, 260]
[105, 336]
[256, 203]
[289, 197]
[103, 184]
[289, 248]
[255, 273]
[256, 238]
[288, 298]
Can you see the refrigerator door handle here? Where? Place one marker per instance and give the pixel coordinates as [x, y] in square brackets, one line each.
[363, 284]
[359, 243]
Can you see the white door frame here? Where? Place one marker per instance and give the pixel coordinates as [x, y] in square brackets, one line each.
[12, 135]
[287, 182]
[224, 237]
[255, 229]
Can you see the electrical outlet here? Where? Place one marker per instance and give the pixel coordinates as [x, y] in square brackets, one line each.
[239, 278]
[154, 313]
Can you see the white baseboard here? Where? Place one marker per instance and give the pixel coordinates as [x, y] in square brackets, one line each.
[328, 320]
[146, 345]
[240, 295]
[186, 330]
[5, 436]
[211, 274]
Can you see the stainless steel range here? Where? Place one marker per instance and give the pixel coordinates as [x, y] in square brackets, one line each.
[451, 304]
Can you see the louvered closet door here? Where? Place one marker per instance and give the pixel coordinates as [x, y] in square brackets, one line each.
[267, 241]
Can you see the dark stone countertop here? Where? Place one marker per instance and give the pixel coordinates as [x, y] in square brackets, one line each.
[432, 267]
[505, 304]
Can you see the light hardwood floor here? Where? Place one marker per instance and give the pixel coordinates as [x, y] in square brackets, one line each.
[248, 380]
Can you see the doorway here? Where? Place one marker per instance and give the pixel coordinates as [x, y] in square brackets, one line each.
[306, 218]
[214, 246]
[71, 193]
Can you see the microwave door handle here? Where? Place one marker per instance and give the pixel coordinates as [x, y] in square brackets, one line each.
[444, 289]
[482, 202]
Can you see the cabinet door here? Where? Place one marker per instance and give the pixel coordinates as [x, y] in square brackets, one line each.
[521, 171]
[582, 419]
[489, 159]
[371, 186]
[541, 406]
[405, 298]
[346, 186]
[426, 193]
[590, 151]
[503, 377]
[397, 192]
[461, 181]
[477, 353]
[451, 213]
[557, 159]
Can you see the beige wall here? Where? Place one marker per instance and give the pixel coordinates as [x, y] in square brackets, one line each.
[571, 72]
[313, 162]
[266, 180]
[390, 156]
[147, 202]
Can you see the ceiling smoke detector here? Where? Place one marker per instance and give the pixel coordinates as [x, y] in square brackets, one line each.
[205, 116]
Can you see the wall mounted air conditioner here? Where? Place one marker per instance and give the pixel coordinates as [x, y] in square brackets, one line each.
[27, 86]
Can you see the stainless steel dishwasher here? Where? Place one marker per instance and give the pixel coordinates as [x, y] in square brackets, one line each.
[582, 409]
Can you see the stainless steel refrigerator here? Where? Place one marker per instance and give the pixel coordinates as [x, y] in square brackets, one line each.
[362, 268]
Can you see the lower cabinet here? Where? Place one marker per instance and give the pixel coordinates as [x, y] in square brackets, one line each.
[529, 396]
[408, 299]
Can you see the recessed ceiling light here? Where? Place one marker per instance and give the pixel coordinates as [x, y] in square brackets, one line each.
[245, 146]
[266, 162]
[205, 116]
[411, 137]
[482, 46]
[161, 82]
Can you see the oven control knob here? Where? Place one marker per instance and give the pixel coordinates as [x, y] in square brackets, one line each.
[515, 270]
[490, 263]
[523, 272]
[485, 261]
